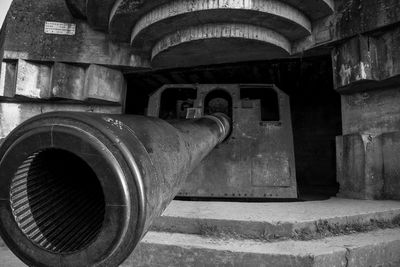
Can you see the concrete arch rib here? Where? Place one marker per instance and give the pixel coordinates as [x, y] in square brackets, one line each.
[314, 9]
[206, 41]
[272, 14]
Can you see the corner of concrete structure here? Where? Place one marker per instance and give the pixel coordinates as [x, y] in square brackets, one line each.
[368, 151]
[360, 164]
[391, 164]
[368, 166]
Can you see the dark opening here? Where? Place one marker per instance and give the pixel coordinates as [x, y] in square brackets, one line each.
[218, 101]
[175, 102]
[57, 201]
[269, 101]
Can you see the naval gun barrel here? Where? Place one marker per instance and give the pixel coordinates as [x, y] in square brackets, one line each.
[82, 189]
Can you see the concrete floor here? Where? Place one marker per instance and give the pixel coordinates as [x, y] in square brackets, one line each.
[278, 211]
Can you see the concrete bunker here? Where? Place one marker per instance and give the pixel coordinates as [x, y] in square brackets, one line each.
[315, 109]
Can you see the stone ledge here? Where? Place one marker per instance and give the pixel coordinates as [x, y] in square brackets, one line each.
[276, 221]
[378, 248]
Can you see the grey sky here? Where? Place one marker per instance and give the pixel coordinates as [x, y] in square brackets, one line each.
[4, 5]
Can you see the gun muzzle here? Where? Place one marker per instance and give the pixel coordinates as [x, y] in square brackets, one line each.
[82, 189]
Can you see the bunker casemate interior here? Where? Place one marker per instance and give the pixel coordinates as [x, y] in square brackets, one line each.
[200, 133]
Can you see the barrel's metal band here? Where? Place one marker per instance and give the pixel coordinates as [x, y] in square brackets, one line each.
[221, 126]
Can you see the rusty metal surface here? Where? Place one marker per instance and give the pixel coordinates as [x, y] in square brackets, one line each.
[82, 189]
[256, 161]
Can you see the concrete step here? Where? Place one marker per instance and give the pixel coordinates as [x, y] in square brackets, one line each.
[377, 248]
[277, 221]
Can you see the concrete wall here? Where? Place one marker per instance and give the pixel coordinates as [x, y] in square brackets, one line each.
[43, 71]
[372, 112]
[26, 38]
[369, 165]
[366, 71]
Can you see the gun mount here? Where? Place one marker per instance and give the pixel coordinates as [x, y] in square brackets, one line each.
[82, 189]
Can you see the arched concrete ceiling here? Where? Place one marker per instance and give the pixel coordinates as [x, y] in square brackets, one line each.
[128, 12]
[168, 29]
[165, 19]
[218, 43]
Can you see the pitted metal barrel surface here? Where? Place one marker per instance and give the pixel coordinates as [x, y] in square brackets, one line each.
[82, 189]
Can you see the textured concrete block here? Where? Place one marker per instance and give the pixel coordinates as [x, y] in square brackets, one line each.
[374, 112]
[68, 81]
[368, 167]
[33, 80]
[362, 61]
[360, 165]
[378, 248]
[104, 84]
[13, 114]
[27, 40]
[391, 164]
[8, 79]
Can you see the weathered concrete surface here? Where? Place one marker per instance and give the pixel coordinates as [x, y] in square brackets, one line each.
[45, 80]
[68, 81]
[367, 74]
[29, 88]
[8, 79]
[352, 18]
[367, 153]
[144, 23]
[359, 166]
[165, 19]
[77, 8]
[99, 14]
[33, 80]
[372, 112]
[218, 43]
[25, 38]
[270, 220]
[104, 84]
[128, 12]
[13, 114]
[363, 60]
[391, 163]
[379, 248]
[355, 17]
[368, 165]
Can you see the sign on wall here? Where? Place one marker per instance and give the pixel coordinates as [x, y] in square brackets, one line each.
[59, 28]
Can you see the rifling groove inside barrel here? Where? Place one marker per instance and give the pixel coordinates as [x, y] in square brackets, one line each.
[57, 201]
